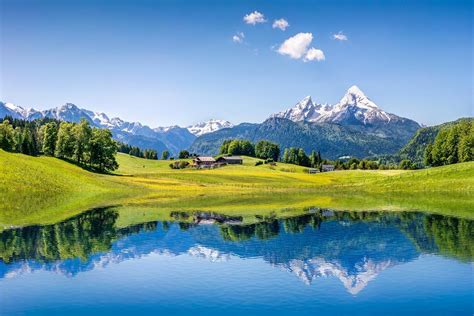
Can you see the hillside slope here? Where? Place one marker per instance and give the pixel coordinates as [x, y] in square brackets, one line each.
[39, 188]
[45, 190]
[415, 147]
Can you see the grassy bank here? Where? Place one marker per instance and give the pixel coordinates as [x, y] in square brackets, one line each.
[45, 190]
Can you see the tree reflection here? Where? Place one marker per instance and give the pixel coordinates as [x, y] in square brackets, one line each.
[96, 231]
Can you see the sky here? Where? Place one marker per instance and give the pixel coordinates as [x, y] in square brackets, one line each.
[181, 62]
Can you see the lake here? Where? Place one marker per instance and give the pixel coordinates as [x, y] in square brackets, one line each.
[320, 262]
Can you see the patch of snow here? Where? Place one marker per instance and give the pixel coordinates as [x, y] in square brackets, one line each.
[208, 127]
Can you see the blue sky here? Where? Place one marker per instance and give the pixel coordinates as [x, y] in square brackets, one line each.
[176, 62]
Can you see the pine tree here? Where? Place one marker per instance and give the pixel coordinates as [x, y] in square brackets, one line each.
[286, 156]
[165, 155]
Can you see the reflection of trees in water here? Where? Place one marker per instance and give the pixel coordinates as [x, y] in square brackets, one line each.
[453, 236]
[77, 237]
[95, 231]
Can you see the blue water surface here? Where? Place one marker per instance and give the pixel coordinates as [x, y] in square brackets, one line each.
[316, 264]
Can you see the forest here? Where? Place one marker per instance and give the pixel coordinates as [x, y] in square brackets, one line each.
[80, 143]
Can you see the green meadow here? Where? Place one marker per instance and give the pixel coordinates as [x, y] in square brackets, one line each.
[41, 190]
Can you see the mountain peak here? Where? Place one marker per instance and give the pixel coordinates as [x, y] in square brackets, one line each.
[354, 90]
[69, 106]
[208, 127]
[305, 102]
[355, 96]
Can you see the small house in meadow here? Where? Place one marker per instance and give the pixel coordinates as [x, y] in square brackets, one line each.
[230, 160]
[204, 161]
[326, 168]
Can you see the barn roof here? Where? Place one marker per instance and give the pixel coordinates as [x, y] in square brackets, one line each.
[233, 158]
[205, 158]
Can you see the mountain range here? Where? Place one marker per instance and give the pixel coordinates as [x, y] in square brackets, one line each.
[355, 126]
[172, 138]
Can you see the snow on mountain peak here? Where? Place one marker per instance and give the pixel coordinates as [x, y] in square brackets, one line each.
[354, 90]
[305, 102]
[208, 127]
[354, 108]
[355, 96]
[13, 107]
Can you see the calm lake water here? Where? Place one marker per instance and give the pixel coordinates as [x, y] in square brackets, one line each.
[323, 262]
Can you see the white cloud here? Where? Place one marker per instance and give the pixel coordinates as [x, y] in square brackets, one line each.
[314, 54]
[296, 46]
[254, 18]
[238, 38]
[340, 36]
[282, 24]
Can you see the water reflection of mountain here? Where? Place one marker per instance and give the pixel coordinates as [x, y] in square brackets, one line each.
[353, 247]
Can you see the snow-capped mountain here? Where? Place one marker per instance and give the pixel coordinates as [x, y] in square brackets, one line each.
[208, 127]
[16, 111]
[305, 110]
[172, 138]
[354, 281]
[355, 108]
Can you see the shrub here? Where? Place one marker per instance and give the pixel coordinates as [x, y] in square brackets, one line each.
[258, 163]
[179, 164]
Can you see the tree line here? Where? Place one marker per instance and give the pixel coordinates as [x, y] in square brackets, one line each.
[87, 146]
[137, 151]
[453, 144]
[297, 156]
[262, 149]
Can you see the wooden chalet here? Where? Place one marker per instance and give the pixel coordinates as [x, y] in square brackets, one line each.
[230, 160]
[326, 168]
[204, 161]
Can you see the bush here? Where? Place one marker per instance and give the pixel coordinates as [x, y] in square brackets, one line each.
[179, 164]
[258, 163]
[406, 165]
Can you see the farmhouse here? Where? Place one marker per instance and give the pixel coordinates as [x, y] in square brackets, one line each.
[230, 160]
[203, 161]
[326, 168]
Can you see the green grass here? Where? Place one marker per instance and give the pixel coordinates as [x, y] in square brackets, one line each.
[39, 190]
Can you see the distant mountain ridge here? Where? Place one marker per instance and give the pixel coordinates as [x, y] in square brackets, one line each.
[355, 126]
[172, 138]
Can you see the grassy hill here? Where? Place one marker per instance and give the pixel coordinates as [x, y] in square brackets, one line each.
[46, 190]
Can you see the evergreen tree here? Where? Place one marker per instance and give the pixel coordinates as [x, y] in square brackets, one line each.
[150, 154]
[428, 158]
[303, 160]
[313, 159]
[286, 156]
[165, 155]
[183, 154]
